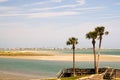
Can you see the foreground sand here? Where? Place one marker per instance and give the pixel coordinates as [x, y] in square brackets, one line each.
[68, 57]
[9, 76]
[4, 75]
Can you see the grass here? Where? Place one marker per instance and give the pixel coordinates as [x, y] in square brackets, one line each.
[69, 78]
[15, 53]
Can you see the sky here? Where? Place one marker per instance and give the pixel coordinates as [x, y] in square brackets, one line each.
[49, 23]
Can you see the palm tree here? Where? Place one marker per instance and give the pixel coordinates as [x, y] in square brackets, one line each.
[93, 36]
[73, 41]
[100, 32]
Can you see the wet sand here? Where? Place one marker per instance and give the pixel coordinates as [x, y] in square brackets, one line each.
[18, 76]
[12, 76]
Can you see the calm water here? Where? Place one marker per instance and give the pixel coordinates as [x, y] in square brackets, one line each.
[41, 68]
[90, 51]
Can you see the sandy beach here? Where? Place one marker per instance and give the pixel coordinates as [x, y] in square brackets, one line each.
[68, 57]
[11, 76]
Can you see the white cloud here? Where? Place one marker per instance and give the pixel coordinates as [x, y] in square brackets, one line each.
[3, 1]
[46, 14]
[36, 3]
[42, 3]
[57, 7]
[51, 14]
[39, 15]
[82, 2]
[90, 8]
[56, 0]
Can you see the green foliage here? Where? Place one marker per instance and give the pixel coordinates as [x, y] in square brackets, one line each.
[106, 33]
[91, 35]
[72, 41]
[101, 31]
[70, 78]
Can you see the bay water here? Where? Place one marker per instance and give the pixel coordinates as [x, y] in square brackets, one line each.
[89, 51]
[44, 68]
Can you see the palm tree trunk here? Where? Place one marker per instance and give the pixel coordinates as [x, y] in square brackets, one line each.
[99, 54]
[73, 60]
[94, 51]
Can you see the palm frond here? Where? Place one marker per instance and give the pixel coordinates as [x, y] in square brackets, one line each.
[72, 40]
[91, 35]
[106, 33]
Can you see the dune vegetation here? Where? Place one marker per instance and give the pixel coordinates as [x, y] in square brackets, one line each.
[18, 53]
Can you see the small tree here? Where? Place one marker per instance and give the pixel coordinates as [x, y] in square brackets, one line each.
[73, 41]
[93, 36]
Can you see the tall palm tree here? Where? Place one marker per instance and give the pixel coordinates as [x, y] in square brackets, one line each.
[93, 36]
[100, 32]
[73, 41]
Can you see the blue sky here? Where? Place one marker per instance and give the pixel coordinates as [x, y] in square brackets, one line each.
[49, 23]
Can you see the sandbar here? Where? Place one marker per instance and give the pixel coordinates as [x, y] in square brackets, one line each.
[69, 57]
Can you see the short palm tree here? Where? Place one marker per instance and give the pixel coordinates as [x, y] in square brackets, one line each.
[73, 41]
[100, 32]
[93, 36]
